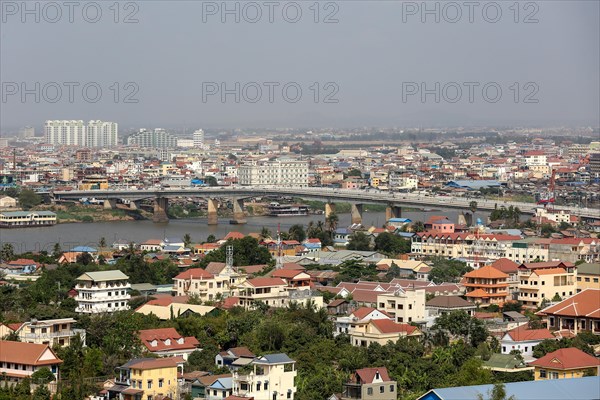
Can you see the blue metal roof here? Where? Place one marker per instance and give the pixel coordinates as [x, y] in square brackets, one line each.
[278, 358]
[84, 249]
[474, 184]
[587, 388]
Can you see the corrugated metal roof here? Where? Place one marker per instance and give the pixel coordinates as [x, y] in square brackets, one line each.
[587, 388]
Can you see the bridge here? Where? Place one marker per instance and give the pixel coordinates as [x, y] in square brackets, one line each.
[393, 201]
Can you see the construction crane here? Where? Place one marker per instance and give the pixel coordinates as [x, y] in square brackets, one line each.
[549, 197]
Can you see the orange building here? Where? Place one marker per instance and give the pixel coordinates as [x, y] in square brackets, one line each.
[486, 286]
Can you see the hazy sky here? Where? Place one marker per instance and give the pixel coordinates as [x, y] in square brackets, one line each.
[373, 61]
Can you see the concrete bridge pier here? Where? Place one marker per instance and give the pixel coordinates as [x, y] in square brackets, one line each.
[392, 211]
[110, 204]
[329, 209]
[356, 212]
[133, 205]
[161, 204]
[213, 206]
[238, 211]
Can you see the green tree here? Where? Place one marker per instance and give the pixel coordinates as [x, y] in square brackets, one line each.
[211, 238]
[332, 221]
[41, 393]
[187, 240]
[296, 232]
[418, 226]
[265, 233]
[29, 199]
[56, 251]
[85, 258]
[498, 392]
[211, 181]
[354, 172]
[460, 324]
[102, 243]
[444, 270]
[359, 241]
[8, 252]
[42, 376]
[391, 244]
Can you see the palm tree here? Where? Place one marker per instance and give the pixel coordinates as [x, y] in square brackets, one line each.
[473, 208]
[187, 240]
[418, 226]
[265, 233]
[102, 243]
[332, 221]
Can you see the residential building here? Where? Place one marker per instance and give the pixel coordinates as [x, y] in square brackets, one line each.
[361, 315]
[272, 377]
[585, 388]
[539, 281]
[220, 388]
[72, 133]
[271, 291]
[198, 138]
[565, 363]
[370, 383]
[20, 266]
[148, 378]
[380, 331]
[441, 305]
[524, 339]
[102, 291]
[53, 332]
[19, 360]
[7, 202]
[102, 134]
[580, 312]
[511, 269]
[279, 172]
[157, 138]
[234, 358]
[486, 286]
[403, 305]
[588, 276]
[575, 249]
[167, 342]
[208, 287]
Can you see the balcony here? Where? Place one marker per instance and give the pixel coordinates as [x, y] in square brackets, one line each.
[52, 335]
[352, 391]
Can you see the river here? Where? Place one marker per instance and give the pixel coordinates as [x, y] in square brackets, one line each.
[89, 234]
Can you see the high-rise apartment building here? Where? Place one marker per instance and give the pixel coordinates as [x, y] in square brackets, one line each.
[199, 138]
[102, 134]
[71, 133]
[157, 138]
[76, 133]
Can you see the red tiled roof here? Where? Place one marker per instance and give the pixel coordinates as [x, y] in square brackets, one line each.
[27, 353]
[522, 334]
[362, 312]
[161, 335]
[367, 375]
[195, 273]
[234, 235]
[487, 272]
[287, 273]
[264, 282]
[584, 304]
[568, 358]
[505, 265]
[550, 271]
[388, 326]
[230, 302]
[167, 300]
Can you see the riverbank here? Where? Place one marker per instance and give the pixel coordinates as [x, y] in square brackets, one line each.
[66, 214]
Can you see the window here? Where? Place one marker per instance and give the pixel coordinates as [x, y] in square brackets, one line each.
[149, 383]
[266, 386]
[381, 389]
[542, 373]
[160, 382]
[370, 391]
[392, 389]
[553, 375]
[258, 386]
[587, 279]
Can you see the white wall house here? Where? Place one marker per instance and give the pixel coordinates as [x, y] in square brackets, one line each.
[102, 291]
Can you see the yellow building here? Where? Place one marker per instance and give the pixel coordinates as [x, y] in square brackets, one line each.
[93, 182]
[539, 281]
[148, 378]
[380, 331]
[565, 363]
[588, 276]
